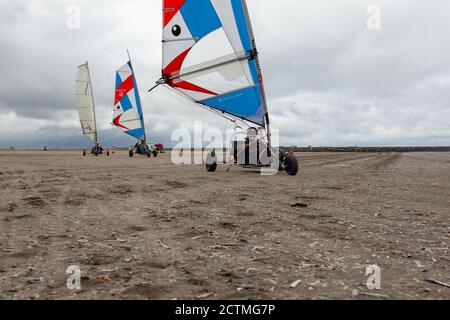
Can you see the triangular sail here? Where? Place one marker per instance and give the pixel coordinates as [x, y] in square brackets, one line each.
[85, 103]
[128, 115]
[209, 55]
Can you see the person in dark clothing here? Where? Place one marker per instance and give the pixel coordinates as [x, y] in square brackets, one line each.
[97, 149]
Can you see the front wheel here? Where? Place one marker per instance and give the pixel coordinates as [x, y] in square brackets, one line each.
[131, 153]
[149, 154]
[290, 164]
[155, 153]
[107, 153]
[84, 153]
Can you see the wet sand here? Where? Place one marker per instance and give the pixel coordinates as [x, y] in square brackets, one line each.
[147, 229]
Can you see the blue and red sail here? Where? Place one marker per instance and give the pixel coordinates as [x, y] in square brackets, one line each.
[128, 115]
[209, 55]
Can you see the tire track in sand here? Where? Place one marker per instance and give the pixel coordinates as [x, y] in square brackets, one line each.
[341, 160]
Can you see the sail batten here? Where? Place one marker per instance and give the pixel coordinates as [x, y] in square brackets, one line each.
[210, 65]
[209, 56]
[85, 103]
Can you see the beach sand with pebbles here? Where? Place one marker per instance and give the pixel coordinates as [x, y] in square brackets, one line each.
[147, 229]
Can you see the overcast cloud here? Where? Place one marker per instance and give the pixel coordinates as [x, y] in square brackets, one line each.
[329, 79]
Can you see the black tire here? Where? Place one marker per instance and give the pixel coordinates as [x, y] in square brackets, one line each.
[149, 154]
[131, 153]
[107, 153]
[290, 164]
[155, 153]
[211, 167]
[211, 162]
[84, 153]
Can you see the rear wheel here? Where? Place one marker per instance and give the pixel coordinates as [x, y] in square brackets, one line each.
[131, 153]
[107, 153]
[149, 154]
[211, 162]
[290, 164]
[84, 153]
[155, 153]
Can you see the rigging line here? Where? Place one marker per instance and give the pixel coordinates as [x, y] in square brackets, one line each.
[201, 105]
[230, 118]
[217, 112]
[222, 114]
[179, 93]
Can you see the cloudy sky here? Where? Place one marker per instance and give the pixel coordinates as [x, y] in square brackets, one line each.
[330, 80]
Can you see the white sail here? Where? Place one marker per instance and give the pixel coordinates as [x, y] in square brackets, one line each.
[85, 103]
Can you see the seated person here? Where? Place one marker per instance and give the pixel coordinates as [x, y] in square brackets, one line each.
[97, 149]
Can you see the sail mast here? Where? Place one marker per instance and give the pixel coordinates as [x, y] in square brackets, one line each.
[258, 68]
[93, 102]
[141, 114]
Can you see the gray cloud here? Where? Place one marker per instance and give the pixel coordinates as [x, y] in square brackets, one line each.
[329, 80]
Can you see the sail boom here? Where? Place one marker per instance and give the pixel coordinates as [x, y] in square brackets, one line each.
[211, 65]
[175, 40]
[126, 121]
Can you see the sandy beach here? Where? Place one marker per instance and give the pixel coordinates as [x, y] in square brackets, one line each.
[147, 229]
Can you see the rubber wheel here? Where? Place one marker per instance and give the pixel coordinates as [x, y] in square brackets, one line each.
[107, 153]
[149, 154]
[131, 153]
[291, 165]
[211, 158]
[155, 153]
[211, 167]
[84, 153]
